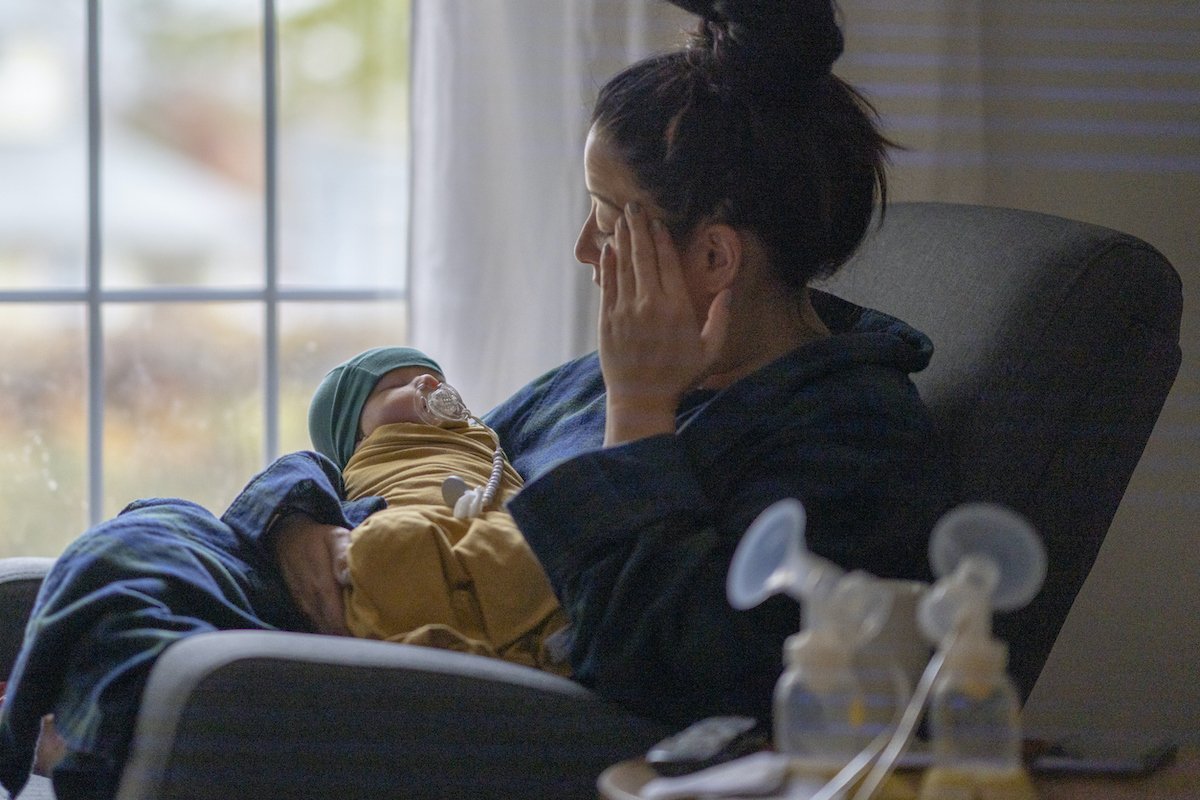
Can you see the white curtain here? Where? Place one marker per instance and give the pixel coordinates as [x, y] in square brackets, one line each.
[502, 94]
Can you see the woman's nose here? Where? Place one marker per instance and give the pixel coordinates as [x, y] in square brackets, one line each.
[586, 251]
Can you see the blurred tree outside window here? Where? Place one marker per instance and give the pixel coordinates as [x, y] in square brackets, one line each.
[183, 289]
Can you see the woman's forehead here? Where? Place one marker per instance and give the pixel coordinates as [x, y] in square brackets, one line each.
[609, 179]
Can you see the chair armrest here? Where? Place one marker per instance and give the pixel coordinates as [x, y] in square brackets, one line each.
[271, 715]
[20, 579]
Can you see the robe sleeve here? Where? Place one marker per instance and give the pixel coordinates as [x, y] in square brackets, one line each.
[302, 482]
[637, 557]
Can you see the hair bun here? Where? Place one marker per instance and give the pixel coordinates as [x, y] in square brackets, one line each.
[764, 43]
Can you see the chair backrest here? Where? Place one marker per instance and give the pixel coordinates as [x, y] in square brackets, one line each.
[1055, 344]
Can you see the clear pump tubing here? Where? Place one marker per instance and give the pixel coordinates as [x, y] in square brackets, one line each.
[892, 742]
[902, 736]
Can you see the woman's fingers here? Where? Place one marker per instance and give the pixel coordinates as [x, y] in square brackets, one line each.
[608, 275]
[608, 286]
[643, 252]
[626, 264]
[670, 270]
[51, 748]
[339, 555]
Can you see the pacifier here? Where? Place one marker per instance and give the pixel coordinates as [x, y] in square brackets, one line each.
[440, 404]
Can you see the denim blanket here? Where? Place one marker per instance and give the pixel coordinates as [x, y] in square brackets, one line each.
[130, 587]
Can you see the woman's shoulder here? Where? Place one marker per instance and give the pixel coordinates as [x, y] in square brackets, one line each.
[557, 415]
[848, 397]
[863, 366]
[551, 395]
[873, 335]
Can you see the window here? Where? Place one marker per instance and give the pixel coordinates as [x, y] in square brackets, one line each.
[203, 207]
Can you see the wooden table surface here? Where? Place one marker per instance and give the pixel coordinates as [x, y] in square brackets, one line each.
[1176, 781]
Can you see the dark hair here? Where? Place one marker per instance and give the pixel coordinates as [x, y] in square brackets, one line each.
[748, 126]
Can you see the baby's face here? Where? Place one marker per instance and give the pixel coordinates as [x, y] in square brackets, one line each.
[394, 398]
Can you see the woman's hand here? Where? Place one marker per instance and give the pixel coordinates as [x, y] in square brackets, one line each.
[51, 749]
[313, 558]
[652, 347]
[50, 746]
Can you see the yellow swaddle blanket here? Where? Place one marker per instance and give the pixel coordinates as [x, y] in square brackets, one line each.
[421, 576]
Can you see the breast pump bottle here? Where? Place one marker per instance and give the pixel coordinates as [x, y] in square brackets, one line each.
[822, 711]
[821, 703]
[987, 559]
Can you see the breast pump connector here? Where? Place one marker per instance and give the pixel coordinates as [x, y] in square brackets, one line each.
[987, 559]
[442, 403]
[822, 713]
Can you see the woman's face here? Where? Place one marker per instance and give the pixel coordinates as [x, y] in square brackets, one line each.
[612, 186]
[394, 398]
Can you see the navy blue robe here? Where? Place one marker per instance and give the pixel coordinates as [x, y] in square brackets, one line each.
[637, 539]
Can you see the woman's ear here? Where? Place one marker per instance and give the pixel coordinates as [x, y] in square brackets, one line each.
[722, 255]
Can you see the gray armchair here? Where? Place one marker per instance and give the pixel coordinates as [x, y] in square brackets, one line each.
[1056, 343]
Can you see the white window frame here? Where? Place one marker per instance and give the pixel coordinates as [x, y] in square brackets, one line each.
[95, 297]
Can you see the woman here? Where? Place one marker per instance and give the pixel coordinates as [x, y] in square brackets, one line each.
[724, 178]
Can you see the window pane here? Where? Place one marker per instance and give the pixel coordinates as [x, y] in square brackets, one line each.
[315, 338]
[183, 143]
[43, 144]
[184, 398]
[43, 444]
[343, 172]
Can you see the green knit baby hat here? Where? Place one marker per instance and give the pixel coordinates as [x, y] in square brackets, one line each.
[338, 401]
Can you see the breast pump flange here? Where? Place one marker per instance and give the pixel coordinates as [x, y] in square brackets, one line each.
[986, 558]
[772, 558]
[820, 704]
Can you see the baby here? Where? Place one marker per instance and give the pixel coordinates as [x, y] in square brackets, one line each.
[417, 572]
